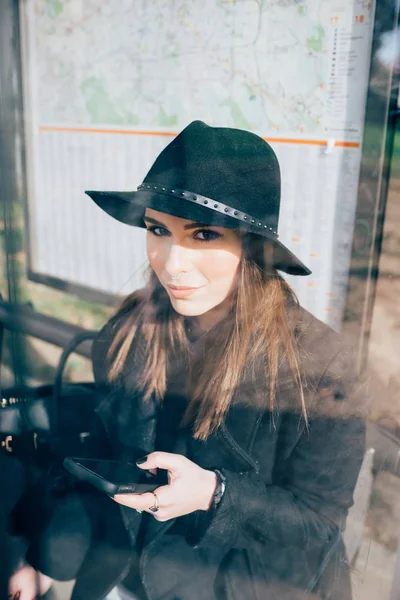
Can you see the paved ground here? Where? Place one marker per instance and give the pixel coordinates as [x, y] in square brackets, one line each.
[375, 566]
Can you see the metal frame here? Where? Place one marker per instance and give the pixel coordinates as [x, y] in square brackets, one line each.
[371, 201]
[12, 158]
[86, 293]
[24, 319]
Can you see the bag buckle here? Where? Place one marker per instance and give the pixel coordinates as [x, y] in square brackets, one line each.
[6, 443]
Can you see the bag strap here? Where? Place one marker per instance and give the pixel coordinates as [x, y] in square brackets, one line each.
[1, 351]
[73, 344]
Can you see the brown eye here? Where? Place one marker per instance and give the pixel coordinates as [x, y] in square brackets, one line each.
[158, 231]
[207, 235]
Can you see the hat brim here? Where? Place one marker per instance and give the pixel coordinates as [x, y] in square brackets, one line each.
[129, 208]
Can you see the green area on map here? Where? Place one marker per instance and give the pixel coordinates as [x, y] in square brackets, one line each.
[316, 41]
[236, 114]
[54, 8]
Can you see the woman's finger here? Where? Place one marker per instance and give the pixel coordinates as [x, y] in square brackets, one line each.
[147, 501]
[136, 501]
[174, 463]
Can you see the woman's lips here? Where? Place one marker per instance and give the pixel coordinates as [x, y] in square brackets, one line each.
[181, 291]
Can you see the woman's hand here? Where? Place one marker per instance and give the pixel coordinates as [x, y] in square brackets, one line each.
[28, 583]
[190, 487]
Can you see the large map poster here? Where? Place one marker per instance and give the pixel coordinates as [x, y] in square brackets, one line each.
[110, 82]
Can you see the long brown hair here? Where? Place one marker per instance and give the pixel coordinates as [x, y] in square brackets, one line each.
[260, 328]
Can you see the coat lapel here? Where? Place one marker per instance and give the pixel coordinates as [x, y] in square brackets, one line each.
[130, 421]
[154, 529]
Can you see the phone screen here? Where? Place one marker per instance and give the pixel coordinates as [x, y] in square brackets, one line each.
[115, 471]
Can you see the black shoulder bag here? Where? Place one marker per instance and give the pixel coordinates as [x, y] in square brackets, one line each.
[42, 424]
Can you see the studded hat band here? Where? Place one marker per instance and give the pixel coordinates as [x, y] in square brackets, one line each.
[209, 203]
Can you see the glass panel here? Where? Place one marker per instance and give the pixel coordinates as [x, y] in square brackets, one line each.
[256, 352]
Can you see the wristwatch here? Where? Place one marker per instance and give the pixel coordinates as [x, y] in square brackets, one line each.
[220, 489]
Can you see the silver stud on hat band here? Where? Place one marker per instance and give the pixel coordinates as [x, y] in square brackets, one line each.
[202, 200]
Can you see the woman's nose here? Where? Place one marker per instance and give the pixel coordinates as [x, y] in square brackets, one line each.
[177, 260]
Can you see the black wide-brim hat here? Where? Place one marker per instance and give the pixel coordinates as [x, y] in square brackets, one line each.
[215, 176]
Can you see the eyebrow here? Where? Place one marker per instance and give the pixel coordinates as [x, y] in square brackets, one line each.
[188, 226]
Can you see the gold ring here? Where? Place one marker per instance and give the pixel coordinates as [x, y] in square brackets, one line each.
[155, 508]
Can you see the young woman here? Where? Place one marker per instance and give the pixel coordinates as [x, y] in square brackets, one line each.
[215, 374]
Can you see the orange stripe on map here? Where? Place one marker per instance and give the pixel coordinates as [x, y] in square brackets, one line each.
[340, 144]
[43, 128]
[47, 128]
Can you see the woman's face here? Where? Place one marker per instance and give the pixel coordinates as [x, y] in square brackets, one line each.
[205, 256]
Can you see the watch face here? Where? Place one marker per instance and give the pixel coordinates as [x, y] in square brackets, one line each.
[220, 489]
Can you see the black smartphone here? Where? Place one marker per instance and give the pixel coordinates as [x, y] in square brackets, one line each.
[113, 477]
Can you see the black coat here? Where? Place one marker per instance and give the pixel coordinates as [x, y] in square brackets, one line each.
[276, 532]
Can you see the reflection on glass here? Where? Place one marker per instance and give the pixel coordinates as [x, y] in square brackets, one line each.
[245, 267]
